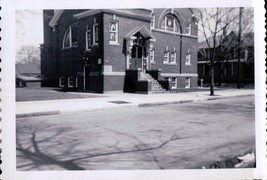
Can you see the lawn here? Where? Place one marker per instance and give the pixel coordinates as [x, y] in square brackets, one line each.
[39, 94]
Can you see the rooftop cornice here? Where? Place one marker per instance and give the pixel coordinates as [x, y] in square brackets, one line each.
[55, 18]
[112, 11]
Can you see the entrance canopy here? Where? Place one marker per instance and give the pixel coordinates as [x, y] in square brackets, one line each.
[143, 31]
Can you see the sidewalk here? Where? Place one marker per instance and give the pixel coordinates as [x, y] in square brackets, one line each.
[118, 100]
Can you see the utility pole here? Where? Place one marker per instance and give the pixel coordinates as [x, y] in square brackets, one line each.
[239, 49]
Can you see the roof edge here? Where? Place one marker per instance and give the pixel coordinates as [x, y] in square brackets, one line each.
[55, 18]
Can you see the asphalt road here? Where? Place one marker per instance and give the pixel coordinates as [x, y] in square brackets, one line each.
[180, 136]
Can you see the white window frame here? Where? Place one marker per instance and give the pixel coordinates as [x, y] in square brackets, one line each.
[88, 45]
[152, 56]
[166, 58]
[68, 33]
[116, 32]
[188, 58]
[173, 81]
[188, 29]
[187, 82]
[95, 34]
[173, 58]
[175, 25]
[61, 81]
[70, 82]
[152, 24]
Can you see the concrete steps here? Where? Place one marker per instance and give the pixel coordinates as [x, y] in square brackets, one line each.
[155, 86]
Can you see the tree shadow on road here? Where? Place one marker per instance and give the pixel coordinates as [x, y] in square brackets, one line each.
[30, 150]
[35, 144]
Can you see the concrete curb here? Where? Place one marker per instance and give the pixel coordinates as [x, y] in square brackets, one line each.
[164, 103]
[47, 113]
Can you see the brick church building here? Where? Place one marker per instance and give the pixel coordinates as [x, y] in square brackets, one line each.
[127, 50]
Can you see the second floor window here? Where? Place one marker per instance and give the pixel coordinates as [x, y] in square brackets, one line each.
[152, 23]
[166, 57]
[71, 37]
[95, 33]
[170, 23]
[88, 39]
[188, 58]
[188, 29]
[113, 32]
[173, 57]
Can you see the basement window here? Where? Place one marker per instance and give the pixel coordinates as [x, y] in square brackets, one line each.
[187, 82]
[70, 82]
[61, 81]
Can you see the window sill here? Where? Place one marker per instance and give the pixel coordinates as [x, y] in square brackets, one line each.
[167, 63]
[152, 62]
[95, 45]
[113, 43]
[88, 50]
[67, 48]
[188, 64]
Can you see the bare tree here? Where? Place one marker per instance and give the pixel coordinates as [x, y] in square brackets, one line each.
[214, 25]
[28, 54]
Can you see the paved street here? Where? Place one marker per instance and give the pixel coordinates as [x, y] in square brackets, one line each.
[178, 136]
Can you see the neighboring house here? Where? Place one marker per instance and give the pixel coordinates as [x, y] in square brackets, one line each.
[28, 75]
[130, 50]
[226, 59]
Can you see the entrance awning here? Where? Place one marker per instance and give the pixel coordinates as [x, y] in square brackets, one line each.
[143, 31]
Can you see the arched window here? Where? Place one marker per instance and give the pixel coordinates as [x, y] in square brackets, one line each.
[71, 37]
[170, 23]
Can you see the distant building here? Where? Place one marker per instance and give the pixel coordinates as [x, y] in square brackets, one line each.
[226, 61]
[130, 50]
[28, 75]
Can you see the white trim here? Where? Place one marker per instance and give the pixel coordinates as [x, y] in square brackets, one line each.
[166, 57]
[60, 84]
[67, 33]
[69, 85]
[175, 33]
[111, 11]
[175, 82]
[87, 13]
[114, 73]
[188, 58]
[179, 75]
[95, 33]
[87, 47]
[153, 21]
[55, 18]
[173, 54]
[116, 32]
[189, 27]
[152, 56]
[187, 84]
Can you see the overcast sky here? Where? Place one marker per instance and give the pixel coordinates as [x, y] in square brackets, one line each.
[29, 28]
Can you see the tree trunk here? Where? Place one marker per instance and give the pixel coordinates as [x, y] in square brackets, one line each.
[211, 79]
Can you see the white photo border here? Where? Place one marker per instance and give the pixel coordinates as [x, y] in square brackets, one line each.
[8, 105]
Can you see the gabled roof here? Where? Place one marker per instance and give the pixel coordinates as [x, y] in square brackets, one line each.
[28, 69]
[143, 31]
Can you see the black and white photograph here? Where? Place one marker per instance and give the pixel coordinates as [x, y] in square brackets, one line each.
[136, 90]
